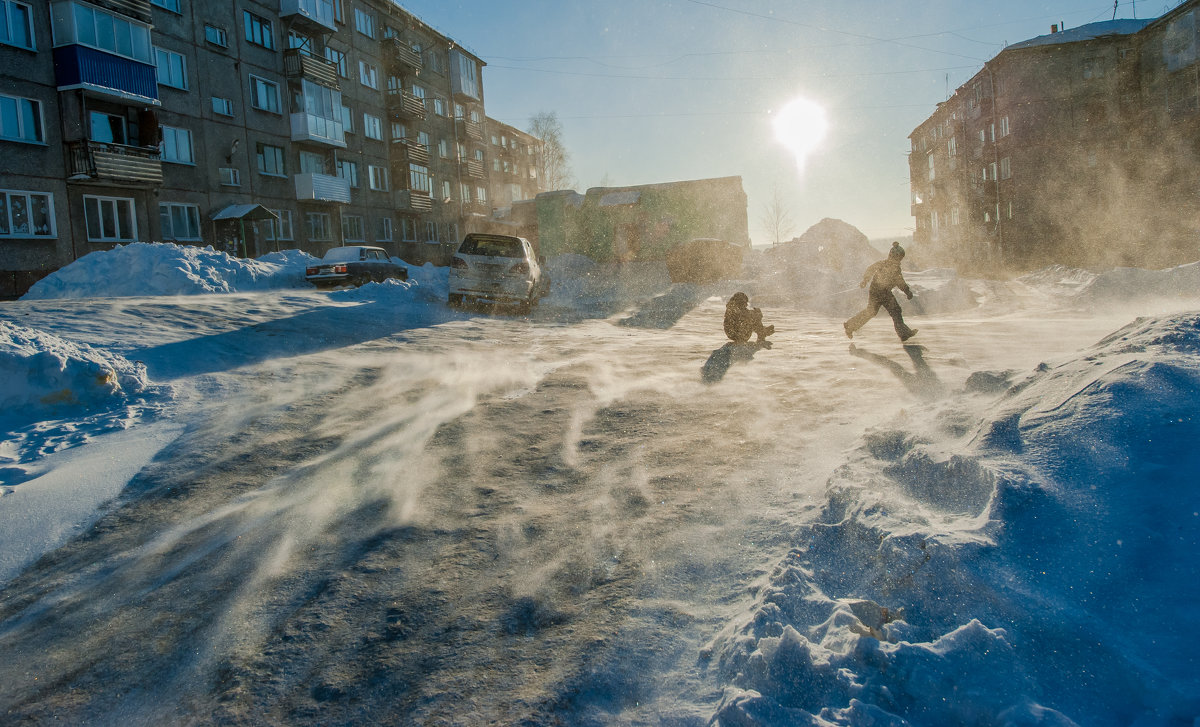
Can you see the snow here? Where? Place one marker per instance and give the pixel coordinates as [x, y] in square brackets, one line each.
[1009, 537]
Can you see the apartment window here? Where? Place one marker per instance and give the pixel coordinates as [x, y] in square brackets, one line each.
[479, 155]
[270, 160]
[439, 106]
[179, 221]
[1010, 209]
[21, 120]
[1005, 168]
[349, 171]
[364, 23]
[352, 228]
[954, 215]
[258, 30]
[383, 230]
[495, 165]
[264, 95]
[1004, 129]
[418, 179]
[951, 147]
[932, 173]
[347, 120]
[171, 68]
[446, 190]
[339, 11]
[222, 106]
[16, 24]
[408, 229]
[109, 219]
[176, 145]
[279, 228]
[337, 58]
[299, 40]
[26, 214]
[368, 75]
[173, 5]
[443, 148]
[431, 232]
[1091, 158]
[312, 163]
[216, 36]
[106, 128]
[464, 192]
[230, 177]
[372, 127]
[378, 177]
[481, 195]
[91, 26]
[318, 226]
[398, 130]
[423, 140]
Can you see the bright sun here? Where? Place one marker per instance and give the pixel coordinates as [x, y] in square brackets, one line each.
[800, 126]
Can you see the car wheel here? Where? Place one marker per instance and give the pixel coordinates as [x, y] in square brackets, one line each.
[455, 300]
[361, 280]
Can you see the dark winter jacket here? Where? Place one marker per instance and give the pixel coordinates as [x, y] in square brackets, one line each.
[885, 275]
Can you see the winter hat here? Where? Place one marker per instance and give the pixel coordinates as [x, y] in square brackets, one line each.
[739, 299]
[896, 251]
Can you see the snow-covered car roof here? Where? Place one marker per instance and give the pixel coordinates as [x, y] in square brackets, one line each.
[347, 253]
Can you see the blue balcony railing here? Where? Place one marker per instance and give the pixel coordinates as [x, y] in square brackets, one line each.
[77, 66]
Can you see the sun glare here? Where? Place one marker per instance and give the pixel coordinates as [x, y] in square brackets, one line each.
[800, 126]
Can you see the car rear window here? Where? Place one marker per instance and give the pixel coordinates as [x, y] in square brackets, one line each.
[342, 254]
[492, 246]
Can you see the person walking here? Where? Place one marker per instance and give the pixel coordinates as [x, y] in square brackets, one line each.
[741, 320]
[883, 276]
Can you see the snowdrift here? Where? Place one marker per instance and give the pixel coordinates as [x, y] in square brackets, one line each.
[144, 268]
[1011, 556]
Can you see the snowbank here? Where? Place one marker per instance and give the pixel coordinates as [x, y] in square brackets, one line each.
[1010, 556]
[143, 268]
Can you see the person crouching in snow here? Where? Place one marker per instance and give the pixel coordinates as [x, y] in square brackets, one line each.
[741, 320]
[883, 276]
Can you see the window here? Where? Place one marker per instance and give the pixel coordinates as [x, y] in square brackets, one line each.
[91, 26]
[109, 219]
[106, 128]
[216, 36]
[408, 229]
[398, 130]
[439, 106]
[296, 39]
[1005, 168]
[368, 75]
[481, 195]
[495, 165]
[222, 106]
[270, 160]
[312, 163]
[446, 190]
[318, 226]
[172, 68]
[464, 192]
[177, 145]
[383, 230]
[932, 173]
[347, 120]
[364, 23]
[352, 228]
[21, 119]
[26, 214]
[951, 147]
[337, 58]
[1004, 130]
[264, 94]
[378, 177]
[954, 213]
[279, 228]
[179, 221]
[430, 232]
[349, 171]
[230, 177]
[16, 24]
[418, 179]
[372, 127]
[258, 30]
[172, 5]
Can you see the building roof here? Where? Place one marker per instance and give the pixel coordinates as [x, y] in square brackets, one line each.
[1091, 31]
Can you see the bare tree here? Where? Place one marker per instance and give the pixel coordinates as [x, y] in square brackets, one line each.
[553, 161]
[776, 217]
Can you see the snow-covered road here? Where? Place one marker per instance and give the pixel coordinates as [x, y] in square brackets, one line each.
[381, 516]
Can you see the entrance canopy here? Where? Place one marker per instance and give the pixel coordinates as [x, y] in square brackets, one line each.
[245, 212]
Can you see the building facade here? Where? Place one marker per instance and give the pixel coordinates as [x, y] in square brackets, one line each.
[248, 125]
[1072, 148]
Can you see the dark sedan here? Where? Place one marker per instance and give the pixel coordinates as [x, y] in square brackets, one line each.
[354, 265]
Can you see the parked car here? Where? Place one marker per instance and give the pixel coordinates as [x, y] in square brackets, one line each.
[354, 265]
[704, 260]
[497, 269]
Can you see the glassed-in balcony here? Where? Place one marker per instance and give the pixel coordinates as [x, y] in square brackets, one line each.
[313, 187]
[78, 66]
[315, 16]
[318, 130]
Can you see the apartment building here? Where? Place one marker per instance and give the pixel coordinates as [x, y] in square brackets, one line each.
[1070, 148]
[245, 124]
[514, 171]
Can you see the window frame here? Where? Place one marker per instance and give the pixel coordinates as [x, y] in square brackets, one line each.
[261, 157]
[363, 19]
[175, 6]
[38, 119]
[372, 127]
[368, 75]
[221, 33]
[234, 175]
[258, 30]
[100, 200]
[170, 81]
[7, 24]
[174, 134]
[383, 229]
[356, 222]
[6, 216]
[326, 225]
[378, 173]
[259, 81]
[227, 103]
[190, 210]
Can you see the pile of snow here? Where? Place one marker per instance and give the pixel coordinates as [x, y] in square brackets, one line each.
[1011, 556]
[143, 268]
[1120, 285]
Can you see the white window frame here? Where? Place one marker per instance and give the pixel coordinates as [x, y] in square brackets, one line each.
[190, 212]
[368, 75]
[337, 58]
[352, 228]
[222, 106]
[9, 21]
[8, 218]
[110, 203]
[176, 145]
[230, 176]
[377, 177]
[1006, 168]
[220, 34]
[383, 231]
[279, 228]
[408, 229]
[364, 23]
[258, 85]
[277, 153]
[481, 195]
[128, 39]
[174, 6]
[348, 170]
[25, 122]
[326, 226]
[258, 30]
[175, 75]
[372, 127]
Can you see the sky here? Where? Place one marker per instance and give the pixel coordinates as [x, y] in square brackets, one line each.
[663, 91]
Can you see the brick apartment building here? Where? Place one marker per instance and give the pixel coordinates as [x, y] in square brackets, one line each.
[249, 125]
[1077, 147]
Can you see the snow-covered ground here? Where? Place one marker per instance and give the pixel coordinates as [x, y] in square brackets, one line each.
[269, 504]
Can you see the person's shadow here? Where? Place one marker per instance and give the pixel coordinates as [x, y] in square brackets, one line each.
[721, 359]
[921, 381]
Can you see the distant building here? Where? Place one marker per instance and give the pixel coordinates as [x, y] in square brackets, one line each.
[249, 125]
[1077, 147]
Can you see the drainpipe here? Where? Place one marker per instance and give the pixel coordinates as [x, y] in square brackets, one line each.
[996, 160]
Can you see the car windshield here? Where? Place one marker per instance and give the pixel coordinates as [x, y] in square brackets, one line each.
[492, 247]
[342, 254]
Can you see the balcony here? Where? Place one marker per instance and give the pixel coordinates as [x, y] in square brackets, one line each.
[136, 9]
[405, 104]
[314, 187]
[299, 65]
[471, 129]
[77, 66]
[318, 130]
[312, 16]
[471, 168]
[408, 151]
[414, 200]
[403, 57]
[94, 161]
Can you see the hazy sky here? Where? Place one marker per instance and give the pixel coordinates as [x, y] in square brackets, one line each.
[657, 91]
